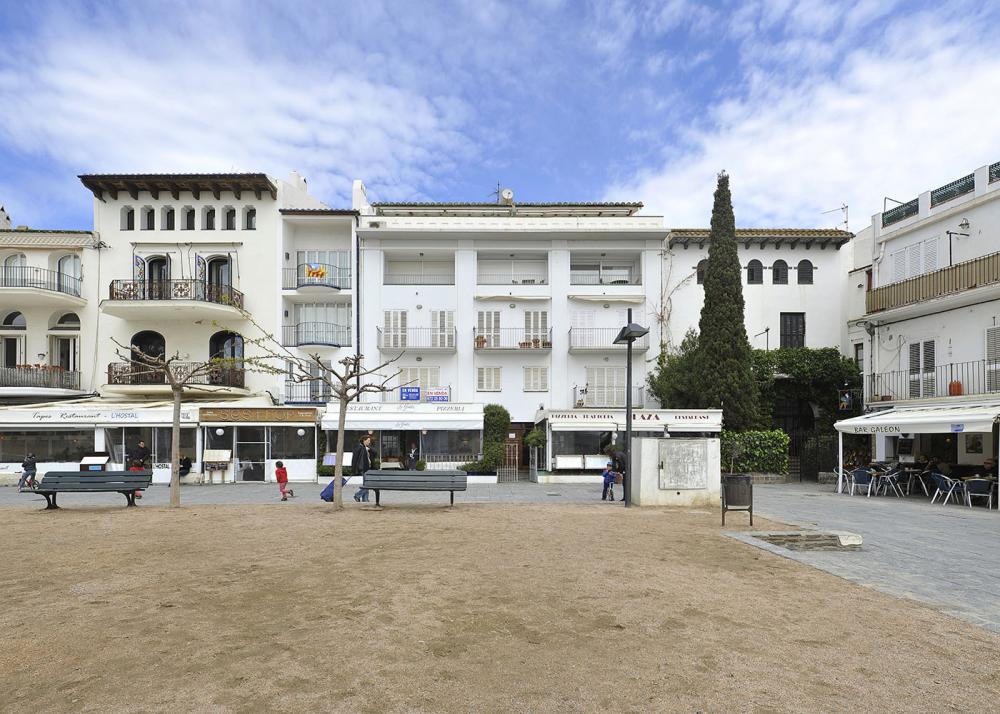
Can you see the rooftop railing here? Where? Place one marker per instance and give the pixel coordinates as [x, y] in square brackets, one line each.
[39, 377]
[28, 276]
[945, 380]
[995, 172]
[957, 278]
[956, 188]
[185, 289]
[129, 374]
[512, 338]
[316, 274]
[898, 213]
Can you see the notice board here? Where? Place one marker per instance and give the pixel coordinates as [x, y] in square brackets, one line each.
[683, 464]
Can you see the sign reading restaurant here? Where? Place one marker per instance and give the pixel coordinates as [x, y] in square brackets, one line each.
[92, 417]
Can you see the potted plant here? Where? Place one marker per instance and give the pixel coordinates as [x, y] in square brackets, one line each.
[535, 342]
[525, 344]
[421, 465]
[547, 344]
[480, 341]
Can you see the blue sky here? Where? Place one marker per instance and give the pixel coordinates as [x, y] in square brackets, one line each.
[808, 105]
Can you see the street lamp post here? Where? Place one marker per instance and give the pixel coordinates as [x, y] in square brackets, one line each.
[629, 334]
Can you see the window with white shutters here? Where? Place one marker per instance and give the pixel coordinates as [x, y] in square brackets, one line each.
[914, 260]
[442, 328]
[488, 379]
[488, 326]
[922, 382]
[605, 387]
[993, 359]
[930, 255]
[394, 329]
[420, 377]
[582, 328]
[536, 379]
[536, 325]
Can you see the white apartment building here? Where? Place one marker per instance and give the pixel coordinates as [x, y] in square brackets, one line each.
[924, 300]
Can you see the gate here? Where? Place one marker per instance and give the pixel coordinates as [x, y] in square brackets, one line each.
[507, 470]
[533, 464]
[809, 453]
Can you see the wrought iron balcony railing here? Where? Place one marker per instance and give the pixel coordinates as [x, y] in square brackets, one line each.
[601, 338]
[954, 379]
[129, 374]
[512, 338]
[27, 276]
[185, 289]
[975, 273]
[316, 333]
[39, 377]
[607, 397]
[317, 274]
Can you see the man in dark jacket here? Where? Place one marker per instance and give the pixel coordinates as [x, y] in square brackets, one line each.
[30, 467]
[141, 454]
[361, 461]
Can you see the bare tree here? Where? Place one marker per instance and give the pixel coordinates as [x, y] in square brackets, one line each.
[207, 376]
[343, 384]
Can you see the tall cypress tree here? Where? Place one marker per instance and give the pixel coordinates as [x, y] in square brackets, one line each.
[723, 368]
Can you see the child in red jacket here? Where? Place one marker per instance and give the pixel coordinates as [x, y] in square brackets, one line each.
[281, 475]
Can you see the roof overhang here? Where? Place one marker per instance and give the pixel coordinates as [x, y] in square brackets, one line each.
[939, 419]
[792, 237]
[174, 184]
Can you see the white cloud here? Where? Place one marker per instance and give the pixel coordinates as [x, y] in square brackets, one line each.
[914, 109]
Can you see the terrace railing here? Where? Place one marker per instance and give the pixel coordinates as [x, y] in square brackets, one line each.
[500, 278]
[957, 278]
[601, 338]
[39, 377]
[185, 289]
[28, 276]
[512, 338]
[607, 397]
[307, 393]
[127, 373]
[316, 274]
[316, 333]
[954, 379]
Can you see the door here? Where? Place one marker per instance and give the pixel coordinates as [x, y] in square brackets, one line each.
[251, 453]
[507, 471]
[158, 275]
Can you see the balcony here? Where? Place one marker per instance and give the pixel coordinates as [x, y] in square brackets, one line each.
[411, 278]
[601, 339]
[33, 378]
[28, 286]
[315, 277]
[513, 338]
[171, 299]
[321, 334]
[417, 339]
[587, 397]
[975, 273]
[955, 379]
[307, 393]
[509, 278]
[412, 394]
[128, 378]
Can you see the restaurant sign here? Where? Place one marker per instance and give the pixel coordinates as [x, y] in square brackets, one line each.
[257, 415]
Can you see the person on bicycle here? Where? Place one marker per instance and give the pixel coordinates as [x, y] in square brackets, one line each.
[30, 468]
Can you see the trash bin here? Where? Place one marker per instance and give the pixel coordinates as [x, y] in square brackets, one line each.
[737, 494]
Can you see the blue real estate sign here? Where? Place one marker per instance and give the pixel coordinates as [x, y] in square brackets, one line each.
[409, 394]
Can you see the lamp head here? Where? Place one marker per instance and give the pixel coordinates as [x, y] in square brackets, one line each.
[630, 333]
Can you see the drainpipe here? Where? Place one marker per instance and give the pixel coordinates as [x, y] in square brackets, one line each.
[357, 296]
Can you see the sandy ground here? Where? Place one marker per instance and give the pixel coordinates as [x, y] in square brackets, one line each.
[481, 608]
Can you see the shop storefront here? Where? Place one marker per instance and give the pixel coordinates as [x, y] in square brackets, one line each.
[577, 440]
[444, 436]
[257, 437]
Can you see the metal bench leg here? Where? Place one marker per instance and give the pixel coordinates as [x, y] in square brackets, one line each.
[452, 498]
[129, 498]
[378, 493]
[50, 501]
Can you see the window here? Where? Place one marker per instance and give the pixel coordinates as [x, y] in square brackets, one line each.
[148, 218]
[12, 345]
[69, 321]
[128, 218]
[47, 446]
[225, 345]
[442, 328]
[755, 273]
[511, 271]
[604, 271]
[219, 273]
[605, 387]
[148, 343]
[793, 329]
[208, 218]
[922, 373]
[167, 218]
[63, 352]
[189, 218]
[536, 379]
[14, 321]
[993, 359]
[914, 260]
[859, 356]
[805, 272]
[321, 323]
[536, 326]
[286, 443]
[250, 219]
[488, 379]
[229, 218]
[488, 328]
[779, 273]
[700, 271]
[394, 328]
[420, 377]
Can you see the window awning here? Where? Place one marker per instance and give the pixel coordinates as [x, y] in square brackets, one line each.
[939, 419]
[515, 298]
[635, 299]
[433, 417]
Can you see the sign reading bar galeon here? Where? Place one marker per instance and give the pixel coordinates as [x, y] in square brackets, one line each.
[257, 414]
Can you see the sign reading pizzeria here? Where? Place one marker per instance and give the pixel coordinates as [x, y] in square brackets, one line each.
[257, 415]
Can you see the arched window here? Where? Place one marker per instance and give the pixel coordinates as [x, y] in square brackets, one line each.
[700, 271]
[755, 273]
[14, 321]
[68, 321]
[128, 218]
[805, 272]
[167, 218]
[148, 343]
[779, 273]
[157, 278]
[148, 218]
[219, 279]
[208, 218]
[225, 345]
[229, 218]
[250, 219]
[15, 271]
[188, 214]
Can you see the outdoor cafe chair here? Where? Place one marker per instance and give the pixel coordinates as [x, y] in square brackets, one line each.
[948, 488]
[846, 478]
[888, 479]
[862, 479]
[979, 488]
[918, 476]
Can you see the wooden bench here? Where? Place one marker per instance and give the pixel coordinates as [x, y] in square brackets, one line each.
[400, 480]
[124, 482]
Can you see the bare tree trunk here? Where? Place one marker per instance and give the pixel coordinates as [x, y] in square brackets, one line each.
[338, 488]
[175, 449]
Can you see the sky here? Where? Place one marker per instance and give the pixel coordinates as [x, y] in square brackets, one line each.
[808, 105]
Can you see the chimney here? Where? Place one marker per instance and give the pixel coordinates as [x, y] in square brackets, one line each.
[4, 219]
[298, 181]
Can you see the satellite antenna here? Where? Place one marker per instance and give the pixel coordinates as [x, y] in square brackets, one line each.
[843, 209]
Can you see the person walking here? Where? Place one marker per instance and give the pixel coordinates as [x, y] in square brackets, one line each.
[29, 468]
[361, 462]
[281, 476]
[411, 457]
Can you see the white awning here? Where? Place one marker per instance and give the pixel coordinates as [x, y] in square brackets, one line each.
[940, 419]
[515, 298]
[636, 299]
[673, 420]
[434, 417]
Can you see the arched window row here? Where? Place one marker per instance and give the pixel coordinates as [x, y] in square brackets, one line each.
[221, 345]
[779, 272]
[232, 218]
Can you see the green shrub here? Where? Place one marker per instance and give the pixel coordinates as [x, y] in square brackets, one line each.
[757, 451]
[330, 471]
[492, 456]
[535, 438]
[496, 424]
[421, 465]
